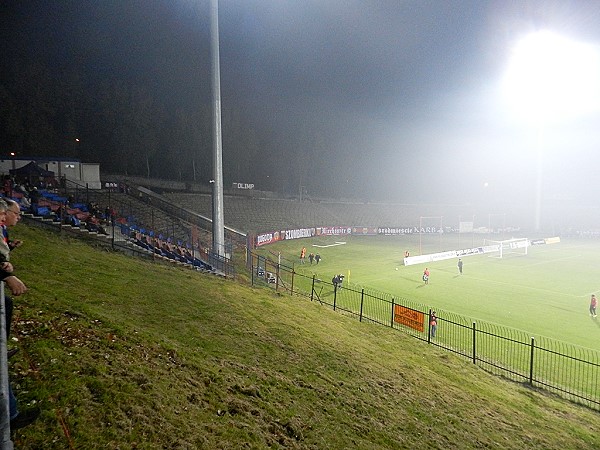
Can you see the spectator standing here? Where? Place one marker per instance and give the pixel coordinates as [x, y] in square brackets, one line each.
[593, 305]
[337, 281]
[10, 218]
[5, 264]
[460, 266]
[4, 248]
[433, 324]
[17, 419]
[12, 215]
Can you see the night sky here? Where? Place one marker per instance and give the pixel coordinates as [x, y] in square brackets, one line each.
[387, 99]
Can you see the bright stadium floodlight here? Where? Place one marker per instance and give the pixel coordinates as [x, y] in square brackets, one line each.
[551, 78]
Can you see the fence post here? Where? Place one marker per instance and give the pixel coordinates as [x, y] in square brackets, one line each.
[110, 206]
[474, 345]
[334, 295]
[531, 361]
[4, 402]
[277, 278]
[292, 287]
[63, 208]
[362, 299]
[392, 321]
[112, 244]
[152, 237]
[429, 326]
[312, 290]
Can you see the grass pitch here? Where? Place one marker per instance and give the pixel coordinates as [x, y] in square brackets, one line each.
[545, 293]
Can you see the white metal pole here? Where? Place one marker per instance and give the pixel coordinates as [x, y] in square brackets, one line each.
[218, 226]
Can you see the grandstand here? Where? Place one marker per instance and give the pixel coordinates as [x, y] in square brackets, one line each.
[256, 214]
[131, 209]
[129, 221]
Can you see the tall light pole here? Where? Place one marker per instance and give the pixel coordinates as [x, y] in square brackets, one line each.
[539, 177]
[549, 79]
[218, 222]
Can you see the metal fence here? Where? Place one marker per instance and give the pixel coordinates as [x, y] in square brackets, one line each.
[6, 442]
[567, 370]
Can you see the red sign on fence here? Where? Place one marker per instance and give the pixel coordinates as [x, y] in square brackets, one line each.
[409, 317]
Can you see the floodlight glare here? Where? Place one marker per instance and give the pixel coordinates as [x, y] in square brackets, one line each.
[551, 77]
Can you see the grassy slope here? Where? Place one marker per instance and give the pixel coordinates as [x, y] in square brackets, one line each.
[122, 353]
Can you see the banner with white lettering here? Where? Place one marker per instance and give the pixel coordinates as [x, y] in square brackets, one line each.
[298, 233]
[243, 186]
[267, 238]
[422, 259]
[333, 231]
[397, 231]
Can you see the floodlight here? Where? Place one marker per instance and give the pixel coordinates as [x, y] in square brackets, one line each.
[551, 77]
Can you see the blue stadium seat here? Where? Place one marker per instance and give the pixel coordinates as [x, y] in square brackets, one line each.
[41, 211]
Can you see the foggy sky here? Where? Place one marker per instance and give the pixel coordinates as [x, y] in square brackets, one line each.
[395, 99]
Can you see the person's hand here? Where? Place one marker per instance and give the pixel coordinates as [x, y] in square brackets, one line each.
[16, 286]
[16, 243]
[7, 267]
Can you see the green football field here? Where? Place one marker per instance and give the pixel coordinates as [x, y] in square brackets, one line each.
[545, 293]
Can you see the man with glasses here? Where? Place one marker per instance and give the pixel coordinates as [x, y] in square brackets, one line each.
[10, 214]
[13, 216]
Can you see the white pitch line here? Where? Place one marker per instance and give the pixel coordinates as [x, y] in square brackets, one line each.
[328, 245]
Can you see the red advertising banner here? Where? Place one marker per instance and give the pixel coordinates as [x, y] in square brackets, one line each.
[267, 238]
[409, 317]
